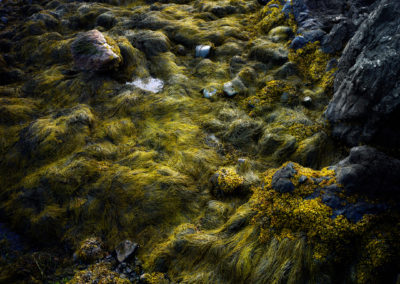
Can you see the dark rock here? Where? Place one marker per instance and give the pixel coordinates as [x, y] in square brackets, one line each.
[106, 20]
[281, 179]
[286, 70]
[50, 21]
[369, 171]
[355, 212]
[366, 106]
[298, 42]
[222, 11]
[125, 250]
[338, 36]
[151, 43]
[302, 179]
[92, 52]
[332, 201]
[313, 35]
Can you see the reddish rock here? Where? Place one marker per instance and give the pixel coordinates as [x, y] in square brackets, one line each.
[93, 52]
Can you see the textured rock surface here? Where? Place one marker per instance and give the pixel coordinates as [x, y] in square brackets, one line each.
[367, 170]
[366, 104]
[92, 52]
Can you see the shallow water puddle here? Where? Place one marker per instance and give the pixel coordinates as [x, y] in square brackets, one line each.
[149, 84]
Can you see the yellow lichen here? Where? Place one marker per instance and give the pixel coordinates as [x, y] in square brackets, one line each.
[99, 273]
[311, 61]
[229, 180]
[290, 214]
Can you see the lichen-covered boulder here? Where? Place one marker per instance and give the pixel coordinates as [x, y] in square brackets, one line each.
[92, 51]
[368, 170]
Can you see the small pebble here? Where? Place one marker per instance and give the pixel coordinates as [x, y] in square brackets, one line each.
[203, 51]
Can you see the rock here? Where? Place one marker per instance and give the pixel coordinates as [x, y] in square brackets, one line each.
[286, 70]
[365, 107]
[125, 250]
[332, 200]
[236, 64]
[368, 171]
[49, 20]
[234, 87]
[93, 52]
[279, 34]
[281, 179]
[152, 43]
[180, 49]
[355, 212]
[222, 11]
[298, 42]
[307, 101]
[106, 20]
[268, 53]
[338, 37]
[209, 92]
[203, 51]
[313, 35]
[302, 179]
[228, 49]
[242, 132]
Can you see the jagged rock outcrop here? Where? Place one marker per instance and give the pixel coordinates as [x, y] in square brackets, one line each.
[366, 104]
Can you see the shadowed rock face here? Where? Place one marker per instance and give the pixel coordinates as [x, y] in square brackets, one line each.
[366, 104]
[92, 52]
[367, 170]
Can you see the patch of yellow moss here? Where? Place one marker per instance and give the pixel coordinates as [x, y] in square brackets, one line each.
[271, 94]
[90, 250]
[311, 61]
[273, 16]
[99, 273]
[229, 180]
[302, 131]
[155, 278]
[290, 215]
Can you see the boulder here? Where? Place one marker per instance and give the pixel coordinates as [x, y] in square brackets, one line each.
[366, 104]
[91, 51]
[281, 179]
[367, 170]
